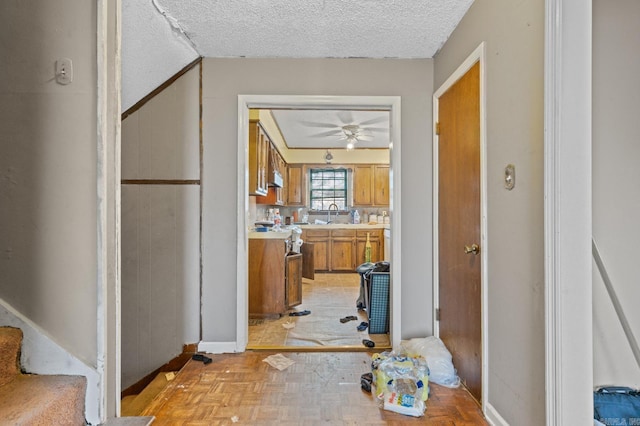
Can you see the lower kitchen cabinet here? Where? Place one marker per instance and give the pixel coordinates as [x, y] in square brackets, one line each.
[343, 250]
[275, 280]
[376, 240]
[340, 250]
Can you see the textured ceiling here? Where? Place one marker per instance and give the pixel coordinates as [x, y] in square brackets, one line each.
[315, 28]
[160, 37]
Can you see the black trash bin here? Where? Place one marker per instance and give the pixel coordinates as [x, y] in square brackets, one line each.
[362, 270]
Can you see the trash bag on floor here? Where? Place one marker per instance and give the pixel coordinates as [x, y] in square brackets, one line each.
[438, 359]
[401, 382]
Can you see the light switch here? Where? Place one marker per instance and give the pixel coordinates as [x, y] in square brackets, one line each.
[510, 176]
[64, 71]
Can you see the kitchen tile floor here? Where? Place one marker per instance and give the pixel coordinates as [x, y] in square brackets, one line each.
[329, 297]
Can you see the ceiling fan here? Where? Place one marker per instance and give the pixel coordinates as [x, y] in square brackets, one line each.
[348, 129]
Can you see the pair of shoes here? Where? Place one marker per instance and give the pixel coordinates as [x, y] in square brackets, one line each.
[368, 343]
[349, 318]
[299, 313]
[363, 326]
[199, 357]
[365, 381]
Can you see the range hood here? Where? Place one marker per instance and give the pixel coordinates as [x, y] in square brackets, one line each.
[275, 179]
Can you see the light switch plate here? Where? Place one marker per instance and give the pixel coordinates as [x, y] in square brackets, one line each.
[510, 176]
[64, 71]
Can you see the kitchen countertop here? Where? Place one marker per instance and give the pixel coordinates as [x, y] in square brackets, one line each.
[270, 235]
[345, 226]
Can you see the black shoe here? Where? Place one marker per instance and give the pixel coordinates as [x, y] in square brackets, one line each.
[368, 343]
[363, 326]
[365, 381]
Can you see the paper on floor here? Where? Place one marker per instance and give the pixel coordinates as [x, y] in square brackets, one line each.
[278, 361]
[289, 325]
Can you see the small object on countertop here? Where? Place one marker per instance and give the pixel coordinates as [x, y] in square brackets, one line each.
[363, 326]
[368, 343]
[262, 229]
[349, 318]
[299, 313]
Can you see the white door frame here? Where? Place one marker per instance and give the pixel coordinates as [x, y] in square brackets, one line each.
[567, 211]
[478, 55]
[383, 103]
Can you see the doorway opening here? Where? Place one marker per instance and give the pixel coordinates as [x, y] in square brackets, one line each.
[346, 103]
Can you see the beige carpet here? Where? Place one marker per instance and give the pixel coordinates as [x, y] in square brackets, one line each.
[29, 399]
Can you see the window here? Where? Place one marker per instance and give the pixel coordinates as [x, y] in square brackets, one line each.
[328, 186]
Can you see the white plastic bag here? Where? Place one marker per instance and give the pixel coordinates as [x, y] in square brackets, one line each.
[441, 370]
[401, 382]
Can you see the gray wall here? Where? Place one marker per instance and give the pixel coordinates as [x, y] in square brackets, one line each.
[48, 218]
[161, 229]
[224, 80]
[616, 192]
[514, 37]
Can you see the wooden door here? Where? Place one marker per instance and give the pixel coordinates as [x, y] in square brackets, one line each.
[459, 227]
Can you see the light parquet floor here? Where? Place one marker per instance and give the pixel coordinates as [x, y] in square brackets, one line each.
[320, 388]
[329, 297]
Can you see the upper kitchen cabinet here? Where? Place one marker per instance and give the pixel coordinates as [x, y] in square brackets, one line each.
[380, 185]
[276, 177]
[371, 185]
[295, 185]
[259, 146]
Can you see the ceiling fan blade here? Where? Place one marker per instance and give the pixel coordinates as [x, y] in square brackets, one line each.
[320, 125]
[375, 121]
[328, 133]
[376, 129]
[345, 116]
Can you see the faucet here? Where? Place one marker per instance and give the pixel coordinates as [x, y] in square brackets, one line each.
[329, 211]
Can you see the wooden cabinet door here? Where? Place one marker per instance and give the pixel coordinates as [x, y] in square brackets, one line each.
[342, 254]
[257, 158]
[362, 178]
[343, 250]
[295, 185]
[308, 260]
[319, 239]
[381, 185]
[375, 237]
[293, 277]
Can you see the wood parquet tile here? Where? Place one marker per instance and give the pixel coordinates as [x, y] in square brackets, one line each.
[320, 388]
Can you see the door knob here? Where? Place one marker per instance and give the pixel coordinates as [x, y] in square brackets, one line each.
[475, 249]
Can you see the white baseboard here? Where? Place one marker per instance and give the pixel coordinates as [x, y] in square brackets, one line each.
[42, 355]
[493, 417]
[218, 347]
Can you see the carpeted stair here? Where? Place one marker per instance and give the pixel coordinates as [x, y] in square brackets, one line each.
[30, 399]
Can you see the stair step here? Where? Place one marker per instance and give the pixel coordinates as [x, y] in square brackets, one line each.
[43, 399]
[10, 343]
[134, 406]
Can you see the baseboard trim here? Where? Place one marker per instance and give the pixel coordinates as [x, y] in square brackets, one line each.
[218, 347]
[173, 365]
[493, 417]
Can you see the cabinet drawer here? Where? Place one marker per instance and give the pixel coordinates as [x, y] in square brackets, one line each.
[349, 233]
[317, 233]
[373, 233]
